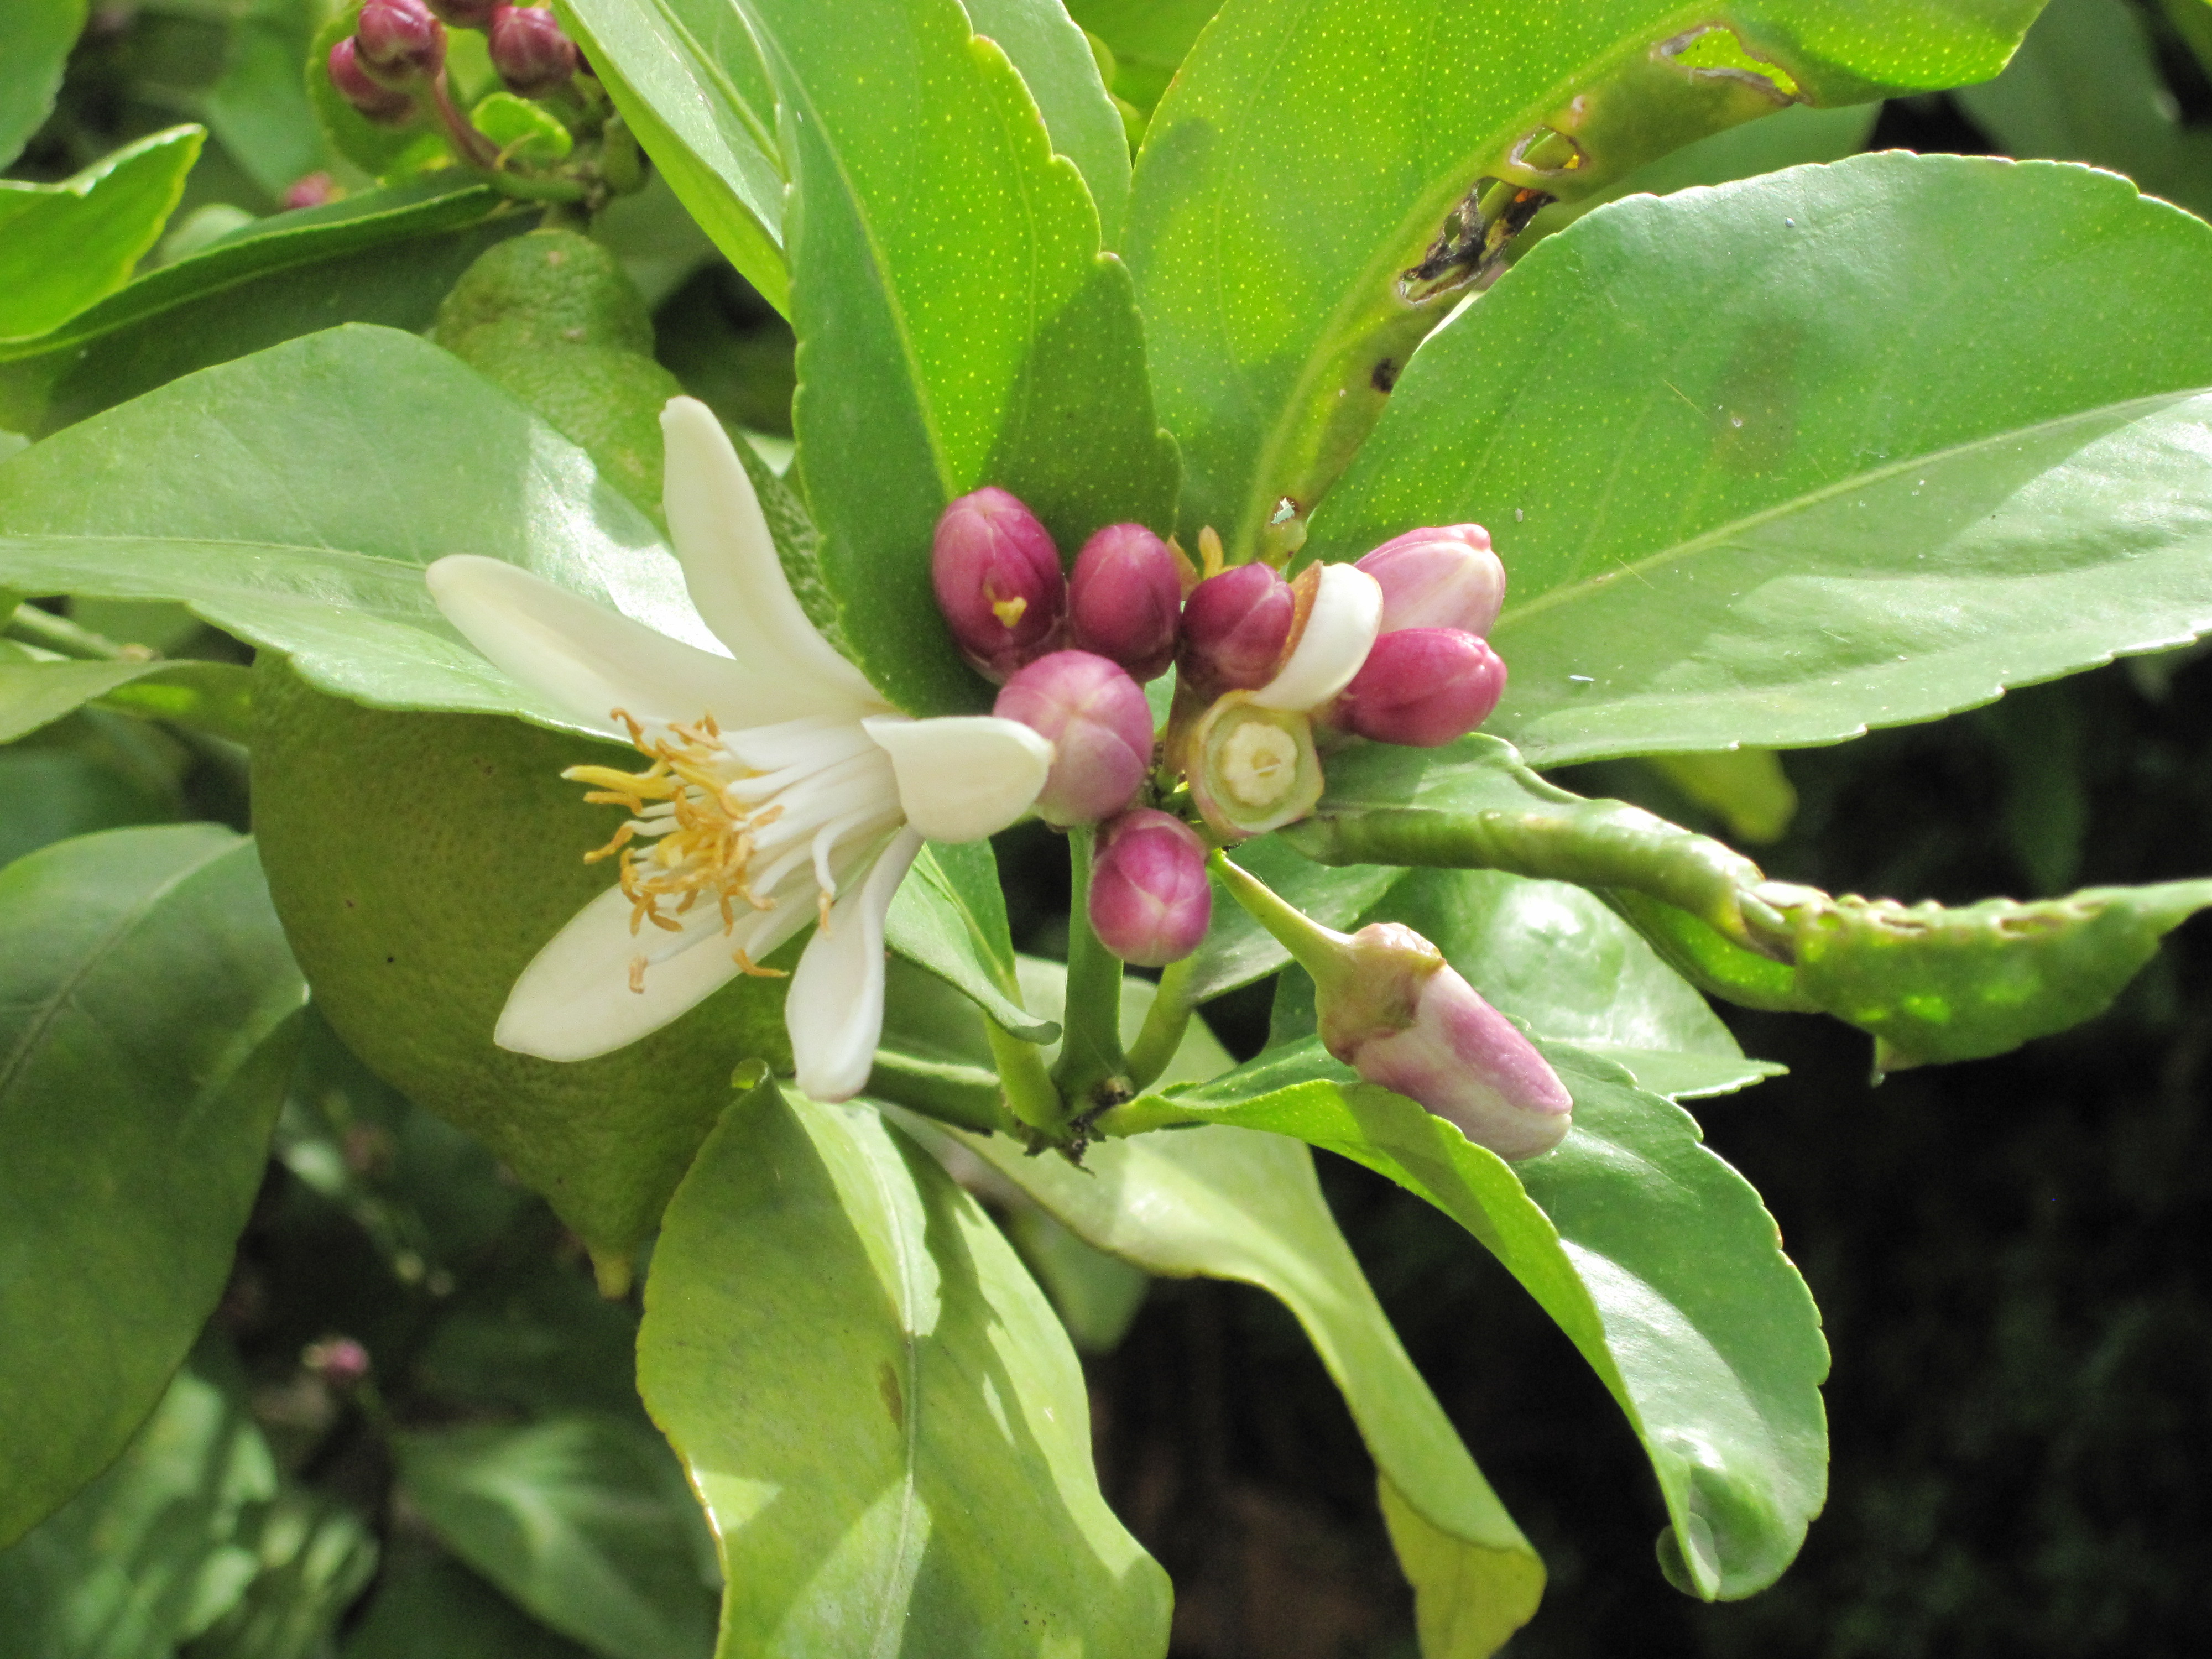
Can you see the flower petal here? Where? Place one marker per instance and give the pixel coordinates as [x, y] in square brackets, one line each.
[835, 1009]
[573, 1001]
[730, 563]
[962, 777]
[1347, 614]
[584, 658]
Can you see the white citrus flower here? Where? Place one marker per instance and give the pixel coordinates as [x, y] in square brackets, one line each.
[783, 788]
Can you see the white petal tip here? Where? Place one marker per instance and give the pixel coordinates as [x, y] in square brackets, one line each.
[962, 777]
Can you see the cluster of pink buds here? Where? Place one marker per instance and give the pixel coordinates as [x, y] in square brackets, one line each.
[398, 49]
[1390, 649]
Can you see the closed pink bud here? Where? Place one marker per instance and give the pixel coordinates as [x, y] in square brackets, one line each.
[399, 41]
[381, 104]
[338, 1360]
[998, 581]
[1439, 577]
[310, 190]
[1100, 727]
[1422, 687]
[1235, 626]
[1123, 599]
[1150, 898]
[1403, 1018]
[529, 51]
[467, 13]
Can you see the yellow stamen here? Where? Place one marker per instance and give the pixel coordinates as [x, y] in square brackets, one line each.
[752, 969]
[1008, 611]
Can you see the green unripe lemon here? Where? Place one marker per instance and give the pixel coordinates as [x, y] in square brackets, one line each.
[418, 862]
[553, 318]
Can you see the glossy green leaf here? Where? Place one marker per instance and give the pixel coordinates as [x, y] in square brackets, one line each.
[1056, 62]
[1474, 804]
[382, 256]
[956, 323]
[584, 1522]
[62, 246]
[436, 1608]
[1236, 949]
[950, 915]
[146, 1026]
[137, 504]
[1227, 1204]
[259, 111]
[1654, 1256]
[689, 82]
[1938, 984]
[1306, 158]
[208, 696]
[35, 38]
[154, 1551]
[2085, 86]
[313, 1558]
[879, 1407]
[1557, 959]
[1708, 958]
[1097, 1296]
[1782, 478]
[1149, 38]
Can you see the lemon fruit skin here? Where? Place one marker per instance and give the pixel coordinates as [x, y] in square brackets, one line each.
[418, 861]
[553, 319]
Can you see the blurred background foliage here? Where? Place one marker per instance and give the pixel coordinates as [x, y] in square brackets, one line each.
[412, 1429]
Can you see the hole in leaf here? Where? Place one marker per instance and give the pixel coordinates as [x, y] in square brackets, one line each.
[1549, 151]
[1715, 50]
[1470, 250]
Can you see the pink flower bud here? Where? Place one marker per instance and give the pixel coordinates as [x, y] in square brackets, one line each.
[1441, 578]
[398, 41]
[998, 581]
[467, 13]
[1100, 727]
[1235, 626]
[1149, 898]
[338, 1360]
[1403, 1018]
[529, 51]
[310, 190]
[1123, 599]
[380, 103]
[1422, 687]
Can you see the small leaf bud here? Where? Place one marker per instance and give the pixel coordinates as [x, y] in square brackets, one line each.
[1402, 1017]
[1099, 725]
[1234, 626]
[1251, 770]
[1422, 687]
[385, 106]
[1150, 898]
[398, 41]
[999, 581]
[1123, 599]
[529, 51]
[1439, 577]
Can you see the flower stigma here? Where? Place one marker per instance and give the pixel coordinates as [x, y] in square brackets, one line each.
[1254, 760]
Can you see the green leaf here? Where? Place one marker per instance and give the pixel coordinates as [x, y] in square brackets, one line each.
[151, 1553]
[1937, 984]
[1474, 804]
[147, 1005]
[950, 915]
[524, 131]
[1236, 949]
[1149, 40]
[67, 783]
[1097, 1296]
[62, 246]
[1056, 62]
[2085, 86]
[1305, 159]
[956, 323]
[438, 461]
[1781, 481]
[1708, 958]
[384, 255]
[35, 38]
[584, 1521]
[314, 1557]
[1653, 1256]
[259, 111]
[208, 696]
[436, 1608]
[689, 82]
[884, 1417]
[1227, 1204]
[1747, 787]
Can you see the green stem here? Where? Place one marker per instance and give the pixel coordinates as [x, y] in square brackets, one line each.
[1165, 1023]
[61, 635]
[1029, 1090]
[1321, 951]
[1092, 1068]
[1144, 1115]
[967, 1097]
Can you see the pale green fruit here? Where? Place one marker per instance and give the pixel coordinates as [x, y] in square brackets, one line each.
[418, 862]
